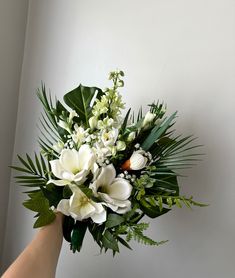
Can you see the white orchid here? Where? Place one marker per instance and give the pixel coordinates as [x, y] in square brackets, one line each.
[113, 191]
[72, 166]
[80, 207]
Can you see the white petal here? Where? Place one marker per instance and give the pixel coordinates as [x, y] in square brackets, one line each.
[120, 189]
[80, 177]
[67, 176]
[63, 206]
[59, 182]
[99, 217]
[106, 176]
[57, 168]
[86, 210]
[69, 160]
[108, 202]
[85, 157]
[124, 209]
[138, 161]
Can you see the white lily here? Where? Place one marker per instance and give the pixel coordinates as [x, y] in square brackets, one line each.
[80, 207]
[72, 166]
[113, 191]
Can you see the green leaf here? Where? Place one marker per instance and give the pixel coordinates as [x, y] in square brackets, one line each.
[53, 194]
[123, 242]
[78, 234]
[114, 220]
[37, 204]
[20, 169]
[67, 192]
[109, 241]
[80, 99]
[68, 225]
[157, 132]
[152, 211]
[31, 163]
[124, 124]
[44, 219]
[24, 162]
[97, 231]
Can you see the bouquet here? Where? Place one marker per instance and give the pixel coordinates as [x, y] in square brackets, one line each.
[104, 172]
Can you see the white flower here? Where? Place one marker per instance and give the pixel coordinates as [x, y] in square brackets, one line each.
[80, 207]
[137, 161]
[93, 122]
[105, 123]
[72, 166]
[148, 118]
[109, 137]
[72, 114]
[131, 136]
[121, 145]
[113, 191]
[79, 135]
[64, 125]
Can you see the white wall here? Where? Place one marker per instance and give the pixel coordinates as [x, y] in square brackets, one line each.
[180, 51]
[13, 17]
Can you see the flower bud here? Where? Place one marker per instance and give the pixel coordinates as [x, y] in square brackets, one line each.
[131, 136]
[93, 122]
[121, 146]
[148, 118]
[136, 162]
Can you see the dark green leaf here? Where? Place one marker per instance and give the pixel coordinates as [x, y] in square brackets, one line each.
[109, 241]
[114, 220]
[78, 234]
[123, 242]
[44, 219]
[152, 211]
[68, 226]
[80, 99]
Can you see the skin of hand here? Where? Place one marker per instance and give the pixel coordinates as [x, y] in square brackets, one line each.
[39, 259]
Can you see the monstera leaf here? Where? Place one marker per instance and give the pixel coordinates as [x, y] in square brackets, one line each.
[80, 100]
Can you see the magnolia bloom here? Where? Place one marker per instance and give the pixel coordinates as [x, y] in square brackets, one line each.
[109, 137]
[113, 191]
[148, 118]
[137, 161]
[72, 166]
[80, 207]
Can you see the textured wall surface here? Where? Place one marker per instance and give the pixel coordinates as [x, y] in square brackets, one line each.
[13, 17]
[180, 51]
